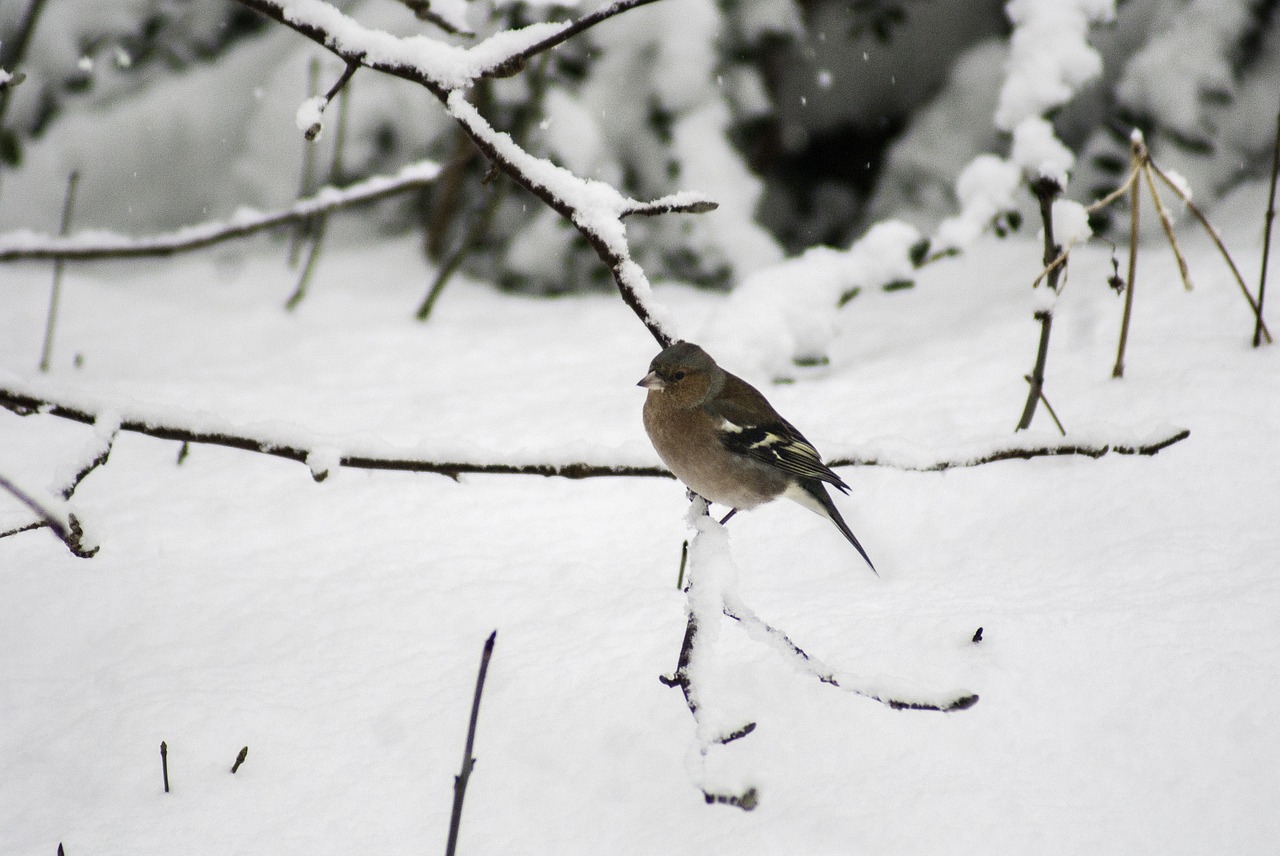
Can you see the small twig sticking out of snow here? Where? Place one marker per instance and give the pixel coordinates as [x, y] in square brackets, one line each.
[468, 760]
[1144, 168]
[1046, 190]
[101, 246]
[1138, 152]
[164, 764]
[1266, 233]
[240, 759]
[55, 291]
[1212, 232]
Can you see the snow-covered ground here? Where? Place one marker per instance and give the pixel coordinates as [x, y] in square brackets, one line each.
[1130, 605]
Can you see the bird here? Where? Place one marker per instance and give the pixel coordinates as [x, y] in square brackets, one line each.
[723, 439]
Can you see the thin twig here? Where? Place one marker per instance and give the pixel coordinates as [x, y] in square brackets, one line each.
[1052, 413]
[1139, 151]
[422, 11]
[55, 291]
[739, 612]
[1222, 248]
[164, 764]
[1167, 223]
[68, 490]
[306, 183]
[468, 760]
[62, 523]
[25, 247]
[1046, 190]
[316, 127]
[1266, 234]
[320, 223]
[479, 227]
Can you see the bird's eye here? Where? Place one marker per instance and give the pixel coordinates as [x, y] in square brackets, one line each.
[678, 375]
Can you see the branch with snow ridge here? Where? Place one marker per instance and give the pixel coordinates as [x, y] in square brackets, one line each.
[53, 512]
[25, 402]
[97, 245]
[595, 208]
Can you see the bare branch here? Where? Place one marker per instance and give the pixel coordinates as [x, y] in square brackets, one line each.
[504, 68]
[678, 203]
[26, 246]
[422, 11]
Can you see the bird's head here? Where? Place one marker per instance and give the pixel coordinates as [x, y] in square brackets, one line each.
[685, 373]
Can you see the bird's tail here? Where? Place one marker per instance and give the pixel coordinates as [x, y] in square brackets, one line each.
[812, 494]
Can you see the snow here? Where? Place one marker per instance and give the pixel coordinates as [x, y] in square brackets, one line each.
[986, 187]
[329, 617]
[1050, 57]
[1128, 603]
[309, 113]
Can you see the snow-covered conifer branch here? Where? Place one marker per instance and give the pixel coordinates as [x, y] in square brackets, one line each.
[99, 245]
[596, 209]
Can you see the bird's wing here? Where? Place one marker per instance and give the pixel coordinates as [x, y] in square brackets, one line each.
[773, 441]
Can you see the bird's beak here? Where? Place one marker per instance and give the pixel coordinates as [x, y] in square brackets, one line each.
[652, 381]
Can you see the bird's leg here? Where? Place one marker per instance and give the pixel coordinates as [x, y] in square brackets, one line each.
[725, 519]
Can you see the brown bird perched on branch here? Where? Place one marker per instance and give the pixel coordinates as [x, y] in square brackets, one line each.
[719, 436]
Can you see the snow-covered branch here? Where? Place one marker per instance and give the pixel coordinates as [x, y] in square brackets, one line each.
[712, 591]
[97, 245]
[596, 209]
[55, 513]
[322, 457]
